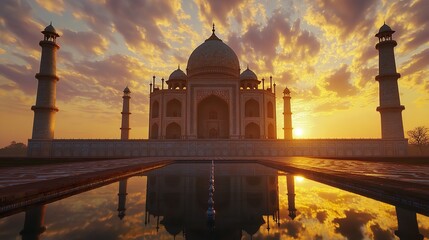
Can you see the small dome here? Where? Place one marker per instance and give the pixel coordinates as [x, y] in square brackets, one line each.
[50, 30]
[384, 31]
[213, 56]
[248, 75]
[127, 90]
[178, 74]
[385, 28]
[286, 91]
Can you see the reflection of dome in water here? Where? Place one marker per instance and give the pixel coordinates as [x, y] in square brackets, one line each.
[213, 56]
[252, 225]
[173, 225]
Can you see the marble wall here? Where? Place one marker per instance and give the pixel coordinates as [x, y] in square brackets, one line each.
[216, 148]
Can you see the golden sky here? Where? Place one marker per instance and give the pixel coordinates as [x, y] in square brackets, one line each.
[323, 50]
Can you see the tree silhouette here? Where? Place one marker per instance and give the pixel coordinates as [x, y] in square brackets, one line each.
[14, 149]
[419, 136]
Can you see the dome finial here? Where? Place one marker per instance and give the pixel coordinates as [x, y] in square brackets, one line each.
[247, 66]
[213, 30]
[178, 66]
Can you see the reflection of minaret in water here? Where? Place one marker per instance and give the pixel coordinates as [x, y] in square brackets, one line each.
[33, 224]
[291, 195]
[407, 225]
[122, 198]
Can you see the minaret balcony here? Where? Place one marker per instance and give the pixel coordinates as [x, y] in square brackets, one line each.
[391, 108]
[390, 43]
[387, 76]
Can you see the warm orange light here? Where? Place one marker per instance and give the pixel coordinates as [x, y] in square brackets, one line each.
[298, 132]
[299, 179]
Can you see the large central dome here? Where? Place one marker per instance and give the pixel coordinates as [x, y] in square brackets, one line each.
[213, 56]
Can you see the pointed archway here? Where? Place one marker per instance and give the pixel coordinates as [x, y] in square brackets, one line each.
[173, 131]
[213, 118]
[252, 131]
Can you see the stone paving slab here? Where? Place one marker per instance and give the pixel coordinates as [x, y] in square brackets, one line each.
[418, 173]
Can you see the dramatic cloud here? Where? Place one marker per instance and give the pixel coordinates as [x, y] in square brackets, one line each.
[293, 228]
[350, 226]
[21, 75]
[87, 43]
[381, 234]
[321, 216]
[277, 40]
[21, 29]
[217, 10]
[411, 21]
[94, 14]
[345, 19]
[54, 6]
[128, 20]
[90, 79]
[418, 62]
[338, 82]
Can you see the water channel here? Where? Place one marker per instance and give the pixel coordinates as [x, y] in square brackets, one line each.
[248, 201]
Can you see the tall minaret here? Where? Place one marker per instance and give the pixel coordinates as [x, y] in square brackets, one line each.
[390, 107]
[122, 198]
[290, 182]
[45, 109]
[287, 115]
[34, 223]
[408, 227]
[125, 126]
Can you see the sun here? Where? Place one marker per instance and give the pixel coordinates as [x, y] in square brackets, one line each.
[299, 179]
[298, 132]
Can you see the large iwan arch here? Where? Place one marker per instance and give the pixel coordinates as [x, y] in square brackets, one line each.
[213, 118]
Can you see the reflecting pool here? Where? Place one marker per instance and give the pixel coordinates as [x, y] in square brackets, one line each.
[250, 201]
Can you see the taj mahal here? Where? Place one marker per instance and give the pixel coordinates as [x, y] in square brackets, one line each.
[215, 109]
[213, 100]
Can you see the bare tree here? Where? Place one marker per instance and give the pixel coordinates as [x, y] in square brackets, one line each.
[419, 136]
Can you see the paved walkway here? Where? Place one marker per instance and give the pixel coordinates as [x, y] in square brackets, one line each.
[416, 173]
[11, 176]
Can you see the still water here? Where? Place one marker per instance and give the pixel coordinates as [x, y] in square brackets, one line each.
[250, 202]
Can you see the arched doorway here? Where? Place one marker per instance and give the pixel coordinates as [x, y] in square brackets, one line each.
[154, 131]
[173, 131]
[252, 131]
[155, 109]
[251, 108]
[271, 134]
[174, 108]
[213, 118]
[270, 110]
